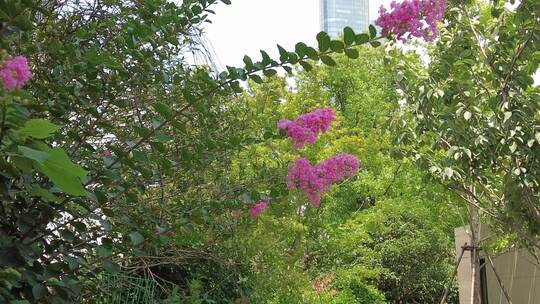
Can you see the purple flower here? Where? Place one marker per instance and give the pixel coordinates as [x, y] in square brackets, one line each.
[316, 180]
[15, 73]
[417, 18]
[306, 127]
[258, 208]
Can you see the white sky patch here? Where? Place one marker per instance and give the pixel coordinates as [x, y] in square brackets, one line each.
[247, 26]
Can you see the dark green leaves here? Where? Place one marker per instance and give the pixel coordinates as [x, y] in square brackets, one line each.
[39, 291]
[372, 31]
[111, 266]
[283, 54]
[300, 49]
[311, 53]
[256, 78]
[337, 46]
[164, 110]
[362, 38]
[348, 35]
[324, 41]
[328, 60]
[266, 60]
[306, 65]
[248, 62]
[351, 53]
[375, 43]
[38, 128]
[269, 72]
[136, 238]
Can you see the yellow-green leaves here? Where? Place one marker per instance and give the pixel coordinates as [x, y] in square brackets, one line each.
[38, 128]
[56, 165]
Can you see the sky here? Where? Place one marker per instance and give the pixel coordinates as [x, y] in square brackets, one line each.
[247, 26]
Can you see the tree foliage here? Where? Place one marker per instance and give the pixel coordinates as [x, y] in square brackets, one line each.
[115, 154]
[472, 117]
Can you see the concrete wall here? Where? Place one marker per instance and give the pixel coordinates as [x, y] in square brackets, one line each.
[518, 269]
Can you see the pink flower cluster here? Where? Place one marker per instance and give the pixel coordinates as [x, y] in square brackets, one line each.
[15, 73]
[314, 181]
[306, 127]
[419, 18]
[258, 208]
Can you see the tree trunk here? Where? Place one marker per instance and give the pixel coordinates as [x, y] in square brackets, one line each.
[475, 257]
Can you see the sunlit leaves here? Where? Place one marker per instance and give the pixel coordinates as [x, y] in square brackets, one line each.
[62, 171]
[38, 128]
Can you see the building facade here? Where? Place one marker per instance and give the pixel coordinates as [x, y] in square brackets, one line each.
[517, 269]
[337, 14]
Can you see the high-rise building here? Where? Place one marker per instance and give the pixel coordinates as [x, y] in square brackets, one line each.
[337, 14]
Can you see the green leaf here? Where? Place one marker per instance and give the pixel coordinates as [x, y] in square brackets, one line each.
[228, 2]
[348, 35]
[300, 49]
[328, 60]
[337, 46]
[111, 266]
[283, 54]
[64, 173]
[306, 65]
[293, 58]
[288, 69]
[312, 53]
[269, 72]
[248, 62]
[372, 31]
[235, 85]
[352, 53]
[266, 60]
[104, 251]
[362, 38]
[375, 44]
[36, 190]
[324, 41]
[32, 154]
[256, 78]
[164, 110]
[38, 128]
[73, 262]
[39, 291]
[136, 238]
[196, 9]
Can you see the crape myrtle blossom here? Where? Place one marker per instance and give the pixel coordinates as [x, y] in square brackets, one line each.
[316, 180]
[418, 18]
[15, 72]
[306, 127]
[258, 208]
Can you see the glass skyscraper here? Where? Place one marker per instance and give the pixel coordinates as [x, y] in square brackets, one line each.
[337, 14]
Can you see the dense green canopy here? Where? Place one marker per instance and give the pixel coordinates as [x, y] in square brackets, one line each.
[123, 160]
